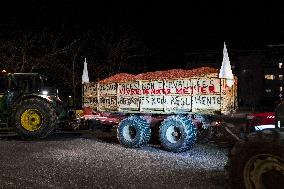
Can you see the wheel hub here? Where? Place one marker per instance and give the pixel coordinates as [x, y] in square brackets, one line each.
[262, 167]
[129, 132]
[132, 132]
[173, 134]
[31, 119]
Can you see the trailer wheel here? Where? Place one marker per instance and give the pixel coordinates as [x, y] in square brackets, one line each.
[258, 162]
[134, 132]
[177, 133]
[34, 118]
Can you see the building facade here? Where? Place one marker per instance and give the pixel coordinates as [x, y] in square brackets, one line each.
[259, 72]
[273, 74]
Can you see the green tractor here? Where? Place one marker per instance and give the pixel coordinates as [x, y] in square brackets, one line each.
[27, 107]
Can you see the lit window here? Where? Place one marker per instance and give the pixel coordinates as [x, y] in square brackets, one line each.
[280, 89]
[280, 65]
[269, 77]
[280, 77]
[268, 90]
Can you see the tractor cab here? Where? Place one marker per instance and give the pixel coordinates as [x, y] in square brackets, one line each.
[21, 83]
[25, 82]
[15, 85]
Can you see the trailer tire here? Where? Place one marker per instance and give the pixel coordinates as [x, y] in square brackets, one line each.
[258, 162]
[177, 133]
[34, 118]
[134, 132]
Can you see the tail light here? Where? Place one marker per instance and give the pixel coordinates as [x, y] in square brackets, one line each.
[49, 98]
[217, 123]
[59, 99]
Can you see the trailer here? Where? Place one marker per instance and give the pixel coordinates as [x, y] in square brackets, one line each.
[177, 102]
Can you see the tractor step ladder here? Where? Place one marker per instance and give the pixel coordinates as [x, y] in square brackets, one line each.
[4, 123]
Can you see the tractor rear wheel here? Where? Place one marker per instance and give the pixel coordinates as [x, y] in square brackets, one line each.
[34, 118]
[177, 133]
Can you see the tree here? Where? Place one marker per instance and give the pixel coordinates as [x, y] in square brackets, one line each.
[45, 51]
[70, 67]
[24, 51]
[116, 49]
[110, 50]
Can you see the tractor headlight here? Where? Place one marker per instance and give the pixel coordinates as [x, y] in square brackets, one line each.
[44, 92]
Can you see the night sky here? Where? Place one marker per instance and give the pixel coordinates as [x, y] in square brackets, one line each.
[169, 29]
[162, 24]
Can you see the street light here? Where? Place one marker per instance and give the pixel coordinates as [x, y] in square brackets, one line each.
[70, 101]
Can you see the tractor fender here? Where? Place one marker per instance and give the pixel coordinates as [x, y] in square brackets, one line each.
[29, 96]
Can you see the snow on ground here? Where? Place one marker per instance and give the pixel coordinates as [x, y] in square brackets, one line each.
[86, 162]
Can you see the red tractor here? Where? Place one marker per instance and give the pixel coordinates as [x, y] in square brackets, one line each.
[258, 122]
[258, 162]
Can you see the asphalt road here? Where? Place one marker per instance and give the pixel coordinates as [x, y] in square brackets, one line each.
[84, 160]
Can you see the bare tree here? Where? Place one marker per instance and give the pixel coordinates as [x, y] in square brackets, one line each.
[110, 50]
[70, 70]
[116, 50]
[25, 51]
